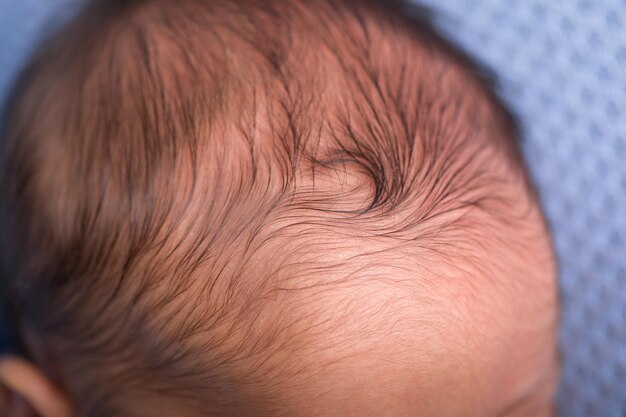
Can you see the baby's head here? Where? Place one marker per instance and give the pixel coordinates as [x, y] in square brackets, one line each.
[277, 208]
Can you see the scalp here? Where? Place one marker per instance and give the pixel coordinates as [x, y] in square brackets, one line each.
[172, 190]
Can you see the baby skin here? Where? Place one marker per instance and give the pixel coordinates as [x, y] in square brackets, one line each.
[269, 208]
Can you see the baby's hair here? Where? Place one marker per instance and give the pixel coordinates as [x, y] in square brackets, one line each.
[171, 169]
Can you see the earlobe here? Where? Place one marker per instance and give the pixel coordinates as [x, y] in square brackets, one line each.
[24, 386]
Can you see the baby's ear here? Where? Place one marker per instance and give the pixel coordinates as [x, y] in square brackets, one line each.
[26, 392]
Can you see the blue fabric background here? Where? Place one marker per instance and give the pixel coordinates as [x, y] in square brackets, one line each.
[562, 67]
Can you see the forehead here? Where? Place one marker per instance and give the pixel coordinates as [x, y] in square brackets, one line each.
[407, 342]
